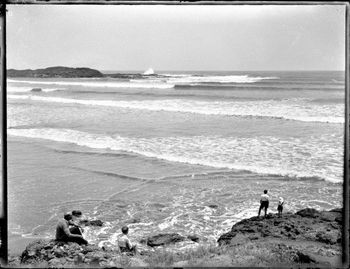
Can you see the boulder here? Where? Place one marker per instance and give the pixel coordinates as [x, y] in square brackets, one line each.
[164, 239]
[91, 222]
[327, 237]
[193, 238]
[301, 257]
[308, 212]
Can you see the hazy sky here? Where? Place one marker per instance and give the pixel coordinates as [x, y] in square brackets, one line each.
[177, 37]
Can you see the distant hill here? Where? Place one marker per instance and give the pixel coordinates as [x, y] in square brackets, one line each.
[56, 71]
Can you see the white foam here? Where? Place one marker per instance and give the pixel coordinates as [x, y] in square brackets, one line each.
[103, 84]
[318, 156]
[217, 79]
[299, 110]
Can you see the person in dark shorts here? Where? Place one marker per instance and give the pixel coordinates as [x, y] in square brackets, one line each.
[63, 233]
[264, 202]
[124, 242]
[280, 206]
[74, 224]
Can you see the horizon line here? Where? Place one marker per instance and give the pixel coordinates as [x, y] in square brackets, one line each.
[197, 70]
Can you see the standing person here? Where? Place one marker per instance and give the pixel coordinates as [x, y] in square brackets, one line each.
[280, 206]
[264, 202]
[124, 242]
[63, 233]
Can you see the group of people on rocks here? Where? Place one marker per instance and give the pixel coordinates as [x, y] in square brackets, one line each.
[69, 229]
[264, 204]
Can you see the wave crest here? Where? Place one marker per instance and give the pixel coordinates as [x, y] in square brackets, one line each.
[290, 109]
[290, 157]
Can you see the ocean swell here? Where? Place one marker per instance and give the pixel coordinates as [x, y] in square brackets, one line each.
[290, 109]
[100, 84]
[309, 157]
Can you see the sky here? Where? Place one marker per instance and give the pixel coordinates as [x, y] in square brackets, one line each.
[174, 37]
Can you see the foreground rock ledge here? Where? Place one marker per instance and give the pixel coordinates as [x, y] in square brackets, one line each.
[308, 237]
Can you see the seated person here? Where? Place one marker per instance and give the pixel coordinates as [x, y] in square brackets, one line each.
[124, 243]
[74, 224]
[63, 233]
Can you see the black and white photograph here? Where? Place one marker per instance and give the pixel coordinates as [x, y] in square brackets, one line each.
[175, 135]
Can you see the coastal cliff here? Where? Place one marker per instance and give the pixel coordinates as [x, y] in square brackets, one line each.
[56, 71]
[308, 237]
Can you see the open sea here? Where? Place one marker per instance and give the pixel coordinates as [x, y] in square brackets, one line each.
[185, 152]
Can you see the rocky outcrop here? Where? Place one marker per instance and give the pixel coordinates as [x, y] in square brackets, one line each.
[91, 222]
[163, 239]
[308, 236]
[51, 253]
[56, 71]
[307, 224]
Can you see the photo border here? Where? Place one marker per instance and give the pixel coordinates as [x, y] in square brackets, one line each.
[4, 202]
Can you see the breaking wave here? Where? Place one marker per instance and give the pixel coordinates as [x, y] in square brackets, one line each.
[289, 109]
[101, 84]
[318, 157]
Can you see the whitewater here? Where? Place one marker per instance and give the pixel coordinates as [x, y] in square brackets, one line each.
[154, 151]
[290, 109]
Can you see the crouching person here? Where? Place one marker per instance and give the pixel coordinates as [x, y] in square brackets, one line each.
[125, 244]
[63, 233]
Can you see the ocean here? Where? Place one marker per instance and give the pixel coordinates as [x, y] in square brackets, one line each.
[185, 152]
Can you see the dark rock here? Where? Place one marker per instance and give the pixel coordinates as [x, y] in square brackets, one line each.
[328, 238]
[32, 253]
[164, 239]
[303, 225]
[277, 222]
[56, 262]
[59, 252]
[213, 206]
[339, 219]
[308, 212]
[91, 222]
[36, 90]
[90, 248]
[193, 237]
[337, 210]
[303, 258]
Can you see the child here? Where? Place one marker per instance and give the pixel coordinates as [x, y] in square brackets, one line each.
[280, 206]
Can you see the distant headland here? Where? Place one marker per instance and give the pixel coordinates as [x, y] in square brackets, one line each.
[56, 71]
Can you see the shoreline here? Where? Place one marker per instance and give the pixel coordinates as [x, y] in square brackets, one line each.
[307, 237]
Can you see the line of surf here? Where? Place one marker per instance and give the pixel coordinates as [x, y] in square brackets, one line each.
[101, 84]
[152, 148]
[283, 109]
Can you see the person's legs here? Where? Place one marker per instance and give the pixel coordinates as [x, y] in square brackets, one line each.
[261, 206]
[134, 249]
[79, 240]
[266, 205]
[75, 230]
